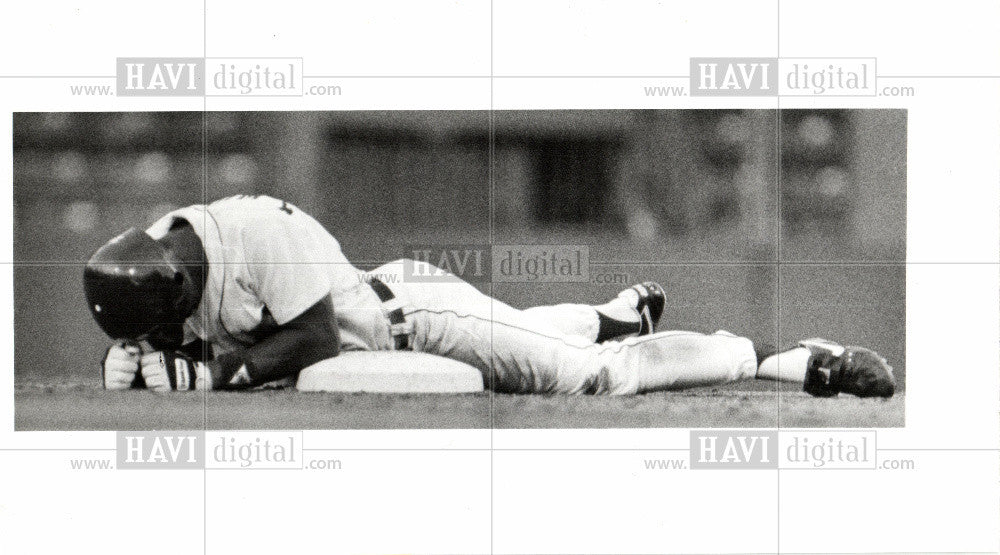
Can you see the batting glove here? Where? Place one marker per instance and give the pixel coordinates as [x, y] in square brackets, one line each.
[174, 371]
[120, 367]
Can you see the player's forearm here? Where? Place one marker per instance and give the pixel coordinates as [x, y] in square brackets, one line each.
[304, 341]
[280, 356]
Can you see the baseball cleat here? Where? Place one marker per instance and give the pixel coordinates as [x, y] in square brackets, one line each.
[834, 368]
[649, 305]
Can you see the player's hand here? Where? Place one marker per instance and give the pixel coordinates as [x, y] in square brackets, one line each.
[174, 371]
[120, 366]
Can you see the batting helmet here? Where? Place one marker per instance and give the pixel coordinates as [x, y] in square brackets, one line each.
[134, 288]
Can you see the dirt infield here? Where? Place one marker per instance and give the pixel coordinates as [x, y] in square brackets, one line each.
[85, 407]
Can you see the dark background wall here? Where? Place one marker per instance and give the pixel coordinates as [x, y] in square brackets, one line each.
[772, 226]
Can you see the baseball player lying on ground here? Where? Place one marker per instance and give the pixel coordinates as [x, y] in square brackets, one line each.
[249, 289]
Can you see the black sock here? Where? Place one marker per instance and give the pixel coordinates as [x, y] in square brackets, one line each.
[609, 328]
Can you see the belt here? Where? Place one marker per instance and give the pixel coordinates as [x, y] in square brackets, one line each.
[398, 327]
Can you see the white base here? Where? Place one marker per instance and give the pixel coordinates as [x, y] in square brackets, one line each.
[390, 372]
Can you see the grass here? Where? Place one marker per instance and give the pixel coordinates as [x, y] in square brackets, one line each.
[86, 407]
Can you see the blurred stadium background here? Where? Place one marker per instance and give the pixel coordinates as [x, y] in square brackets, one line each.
[772, 225]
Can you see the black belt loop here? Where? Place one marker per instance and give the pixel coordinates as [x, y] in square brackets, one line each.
[402, 341]
[382, 290]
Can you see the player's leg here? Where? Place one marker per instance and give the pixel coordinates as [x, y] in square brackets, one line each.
[674, 360]
[634, 311]
[519, 352]
[515, 356]
[580, 320]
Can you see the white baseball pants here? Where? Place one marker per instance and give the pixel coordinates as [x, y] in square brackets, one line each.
[551, 349]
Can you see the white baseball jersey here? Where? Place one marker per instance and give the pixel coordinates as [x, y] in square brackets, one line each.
[268, 263]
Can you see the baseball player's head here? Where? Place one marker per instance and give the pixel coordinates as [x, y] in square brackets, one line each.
[138, 289]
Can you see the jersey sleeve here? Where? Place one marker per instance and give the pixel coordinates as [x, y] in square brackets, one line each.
[288, 262]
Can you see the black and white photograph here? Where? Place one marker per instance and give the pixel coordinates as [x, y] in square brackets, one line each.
[460, 269]
[471, 278]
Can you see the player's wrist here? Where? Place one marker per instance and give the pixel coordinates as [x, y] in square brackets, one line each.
[231, 371]
[170, 370]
